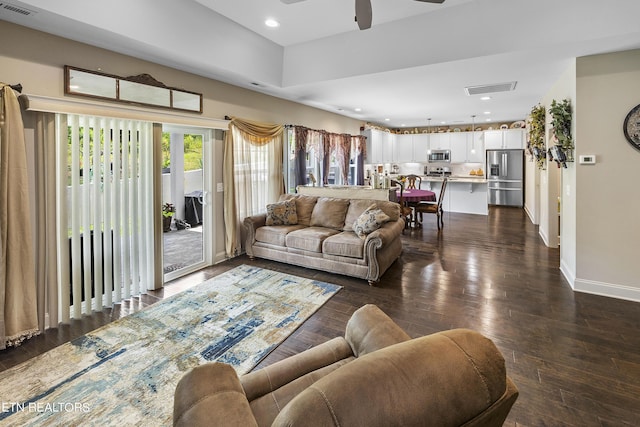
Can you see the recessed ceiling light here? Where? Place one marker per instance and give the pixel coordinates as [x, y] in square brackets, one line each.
[443, 123]
[487, 112]
[272, 23]
[403, 125]
[485, 98]
[358, 109]
[386, 120]
[488, 120]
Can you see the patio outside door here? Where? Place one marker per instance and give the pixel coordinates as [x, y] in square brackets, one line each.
[186, 181]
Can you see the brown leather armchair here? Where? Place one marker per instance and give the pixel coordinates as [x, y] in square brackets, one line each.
[374, 376]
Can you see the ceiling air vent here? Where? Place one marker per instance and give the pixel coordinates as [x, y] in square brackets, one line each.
[11, 8]
[492, 88]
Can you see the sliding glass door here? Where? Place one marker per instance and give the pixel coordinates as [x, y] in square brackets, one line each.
[186, 196]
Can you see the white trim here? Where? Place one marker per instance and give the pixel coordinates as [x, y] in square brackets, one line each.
[568, 274]
[121, 111]
[543, 236]
[611, 290]
[531, 215]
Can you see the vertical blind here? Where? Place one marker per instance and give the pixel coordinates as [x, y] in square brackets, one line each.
[106, 206]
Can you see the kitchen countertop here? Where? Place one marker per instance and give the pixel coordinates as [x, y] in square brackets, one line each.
[457, 178]
[452, 178]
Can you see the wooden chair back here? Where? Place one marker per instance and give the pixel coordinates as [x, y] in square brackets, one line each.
[413, 182]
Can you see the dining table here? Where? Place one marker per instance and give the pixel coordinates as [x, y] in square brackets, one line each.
[413, 196]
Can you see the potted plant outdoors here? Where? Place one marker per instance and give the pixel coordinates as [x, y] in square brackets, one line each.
[168, 211]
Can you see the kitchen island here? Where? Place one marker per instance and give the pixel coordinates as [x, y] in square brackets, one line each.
[464, 194]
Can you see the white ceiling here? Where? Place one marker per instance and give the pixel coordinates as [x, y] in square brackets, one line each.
[413, 64]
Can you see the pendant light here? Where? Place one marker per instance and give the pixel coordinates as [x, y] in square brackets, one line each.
[473, 134]
[429, 136]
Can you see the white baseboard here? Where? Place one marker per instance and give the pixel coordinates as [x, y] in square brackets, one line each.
[611, 290]
[544, 236]
[531, 216]
[568, 274]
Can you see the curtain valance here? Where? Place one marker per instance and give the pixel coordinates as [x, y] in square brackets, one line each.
[256, 132]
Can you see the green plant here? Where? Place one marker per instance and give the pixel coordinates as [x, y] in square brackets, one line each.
[536, 134]
[168, 210]
[561, 123]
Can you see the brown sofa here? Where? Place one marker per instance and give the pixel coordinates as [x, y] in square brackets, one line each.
[374, 376]
[323, 237]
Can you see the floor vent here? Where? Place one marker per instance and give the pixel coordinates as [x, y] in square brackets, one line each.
[11, 8]
[492, 88]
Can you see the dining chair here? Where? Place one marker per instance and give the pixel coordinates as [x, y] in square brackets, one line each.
[433, 207]
[413, 182]
[405, 210]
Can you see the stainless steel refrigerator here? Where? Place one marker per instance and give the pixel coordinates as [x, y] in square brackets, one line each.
[505, 174]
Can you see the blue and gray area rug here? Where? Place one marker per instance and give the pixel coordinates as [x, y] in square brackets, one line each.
[125, 373]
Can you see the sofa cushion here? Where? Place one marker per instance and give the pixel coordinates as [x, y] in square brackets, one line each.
[304, 206]
[275, 234]
[356, 207]
[282, 213]
[329, 212]
[369, 221]
[345, 244]
[309, 238]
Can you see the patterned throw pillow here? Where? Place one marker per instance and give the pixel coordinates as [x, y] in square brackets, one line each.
[282, 213]
[370, 220]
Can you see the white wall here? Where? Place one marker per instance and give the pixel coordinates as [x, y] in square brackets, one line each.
[552, 178]
[532, 190]
[608, 196]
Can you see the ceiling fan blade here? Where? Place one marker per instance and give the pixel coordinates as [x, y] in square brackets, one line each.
[364, 14]
[428, 1]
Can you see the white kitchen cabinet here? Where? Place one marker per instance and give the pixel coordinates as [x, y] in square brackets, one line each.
[420, 147]
[467, 147]
[503, 139]
[388, 148]
[379, 146]
[514, 138]
[475, 148]
[404, 148]
[458, 142]
[440, 141]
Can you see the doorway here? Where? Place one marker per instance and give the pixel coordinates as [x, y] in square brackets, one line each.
[186, 188]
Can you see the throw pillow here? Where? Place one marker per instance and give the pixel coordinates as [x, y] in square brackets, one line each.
[282, 213]
[370, 220]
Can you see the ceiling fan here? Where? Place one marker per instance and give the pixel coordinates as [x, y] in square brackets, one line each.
[364, 13]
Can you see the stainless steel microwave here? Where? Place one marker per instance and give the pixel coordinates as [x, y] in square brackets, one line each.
[439, 156]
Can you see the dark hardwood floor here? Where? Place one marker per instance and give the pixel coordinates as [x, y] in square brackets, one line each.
[574, 357]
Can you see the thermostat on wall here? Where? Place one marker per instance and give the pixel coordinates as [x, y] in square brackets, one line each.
[588, 159]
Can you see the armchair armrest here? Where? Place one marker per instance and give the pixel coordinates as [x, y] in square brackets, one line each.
[208, 393]
[370, 329]
[270, 378]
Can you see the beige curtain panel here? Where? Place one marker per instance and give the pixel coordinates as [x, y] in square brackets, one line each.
[18, 302]
[240, 196]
